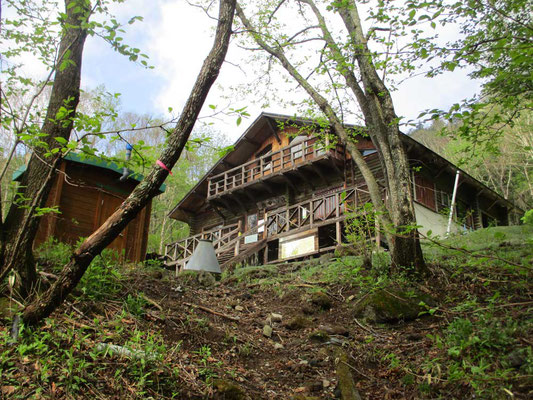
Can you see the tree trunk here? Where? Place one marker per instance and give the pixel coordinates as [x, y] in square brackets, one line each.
[81, 258]
[21, 224]
[325, 107]
[384, 130]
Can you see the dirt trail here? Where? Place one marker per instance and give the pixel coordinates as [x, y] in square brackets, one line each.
[298, 359]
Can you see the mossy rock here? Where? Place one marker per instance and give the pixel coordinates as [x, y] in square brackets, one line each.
[392, 305]
[346, 383]
[229, 390]
[319, 336]
[321, 300]
[255, 272]
[297, 323]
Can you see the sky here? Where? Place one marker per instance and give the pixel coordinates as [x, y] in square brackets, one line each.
[177, 37]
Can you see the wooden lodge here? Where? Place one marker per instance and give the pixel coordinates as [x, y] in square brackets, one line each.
[87, 191]
[282, 193]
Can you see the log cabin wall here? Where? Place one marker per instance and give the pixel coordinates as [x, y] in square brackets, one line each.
[302, 190]
[209, 219]
[86, 196]
[431, 185]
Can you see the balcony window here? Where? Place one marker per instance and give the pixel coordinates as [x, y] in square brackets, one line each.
[267, 158]
[297, 147]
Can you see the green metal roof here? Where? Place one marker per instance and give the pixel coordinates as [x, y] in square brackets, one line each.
[92, 161]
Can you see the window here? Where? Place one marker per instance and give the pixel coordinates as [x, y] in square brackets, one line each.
[267, 161]
[367, 152]
[266, 150]
[252, 221]
[297, 146]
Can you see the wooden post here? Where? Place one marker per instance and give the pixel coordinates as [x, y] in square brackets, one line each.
[338, 232]
[265, 219]
[237, 246]
[208, 187]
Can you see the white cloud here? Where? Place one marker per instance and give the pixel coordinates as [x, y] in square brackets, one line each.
[178, 37]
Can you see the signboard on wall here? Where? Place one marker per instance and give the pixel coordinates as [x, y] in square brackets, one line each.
[296, 246]
[250, 239]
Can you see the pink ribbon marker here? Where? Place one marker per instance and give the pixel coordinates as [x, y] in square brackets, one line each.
[158, 162]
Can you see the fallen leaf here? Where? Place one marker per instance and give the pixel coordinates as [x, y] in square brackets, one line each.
[8, 390]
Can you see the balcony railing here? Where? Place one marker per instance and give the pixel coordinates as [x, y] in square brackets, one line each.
[315, 212]
[231, 240]
[284, 159]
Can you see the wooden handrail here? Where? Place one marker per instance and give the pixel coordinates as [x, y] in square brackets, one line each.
[275, 161]
[187, 242]
[309, 213]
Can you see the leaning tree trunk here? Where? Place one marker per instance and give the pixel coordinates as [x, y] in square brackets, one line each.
[20, 227]
[45, 304]
[382, 122]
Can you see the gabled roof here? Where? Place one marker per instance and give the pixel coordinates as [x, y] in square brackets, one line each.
[249, 142]
[92, 161]
[264, 126]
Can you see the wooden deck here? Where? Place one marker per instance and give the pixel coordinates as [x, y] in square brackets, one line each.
[229, 241]
[285, 159]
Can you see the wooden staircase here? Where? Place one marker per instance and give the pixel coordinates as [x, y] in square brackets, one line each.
[229, 249]
[245, 251]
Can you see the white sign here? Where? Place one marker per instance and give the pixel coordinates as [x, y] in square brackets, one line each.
[297, 247]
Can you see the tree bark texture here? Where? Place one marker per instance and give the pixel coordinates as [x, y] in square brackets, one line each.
[20, 227]
[81, 258]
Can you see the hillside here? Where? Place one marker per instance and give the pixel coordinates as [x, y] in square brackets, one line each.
[316, 329]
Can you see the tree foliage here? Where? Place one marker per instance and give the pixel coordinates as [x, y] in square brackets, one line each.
[492, 41]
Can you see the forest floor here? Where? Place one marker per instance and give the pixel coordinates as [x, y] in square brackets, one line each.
[315, 329]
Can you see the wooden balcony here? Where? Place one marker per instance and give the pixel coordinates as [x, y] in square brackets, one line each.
[273, 164]
[230, 241]
[313, 213]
